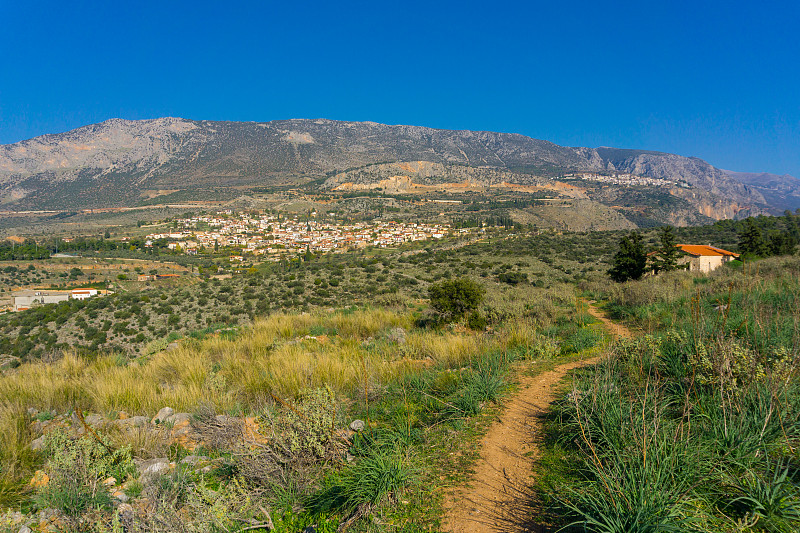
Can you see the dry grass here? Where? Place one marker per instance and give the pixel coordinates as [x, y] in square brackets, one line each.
[274, 356]
[16, 456]
[448, 349]
[277, 355]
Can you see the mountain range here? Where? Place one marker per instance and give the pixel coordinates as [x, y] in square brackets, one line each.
[120, 162]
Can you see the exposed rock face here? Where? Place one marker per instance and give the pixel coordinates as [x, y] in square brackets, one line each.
[781, 192]
[675, 167]
[404, 176]
[113, 162]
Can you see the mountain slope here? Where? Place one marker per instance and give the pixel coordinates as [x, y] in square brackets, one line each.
[781, 192]
[113, 162]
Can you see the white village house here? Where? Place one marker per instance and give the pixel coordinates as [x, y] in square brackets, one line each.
[26, 299]
[704, 258]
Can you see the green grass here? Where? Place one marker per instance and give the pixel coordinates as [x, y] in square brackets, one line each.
[694, 427]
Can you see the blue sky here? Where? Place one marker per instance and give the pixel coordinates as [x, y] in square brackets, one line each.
[717, 80]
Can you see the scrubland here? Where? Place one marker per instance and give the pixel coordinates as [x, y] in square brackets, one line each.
[423, 390]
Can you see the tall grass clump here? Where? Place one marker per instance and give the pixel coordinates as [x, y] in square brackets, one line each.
[369, 482]
[16, 457]
[695, 427]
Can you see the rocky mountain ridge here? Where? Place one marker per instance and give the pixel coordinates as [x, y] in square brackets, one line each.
[779, 191]
[113, 162]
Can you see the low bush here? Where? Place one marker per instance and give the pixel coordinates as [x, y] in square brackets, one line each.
[307, 427]
[76, 468]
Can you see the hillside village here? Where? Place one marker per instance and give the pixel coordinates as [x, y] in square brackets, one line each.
[623, 178]
[274, 236]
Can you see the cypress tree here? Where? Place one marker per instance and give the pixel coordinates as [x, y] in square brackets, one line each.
[630, 262]
[666, 256]
[751, 241]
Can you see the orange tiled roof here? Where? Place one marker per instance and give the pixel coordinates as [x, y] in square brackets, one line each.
[703, 250]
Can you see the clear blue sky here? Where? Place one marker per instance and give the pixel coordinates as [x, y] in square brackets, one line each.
[717, 80]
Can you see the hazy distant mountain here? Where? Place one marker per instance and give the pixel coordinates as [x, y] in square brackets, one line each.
[116, 161]
[781, 192]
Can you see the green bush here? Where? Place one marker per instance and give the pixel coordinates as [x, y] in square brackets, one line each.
[513, 278]
[454, 298]
[476, 321]
[306, 428]
[77, 467]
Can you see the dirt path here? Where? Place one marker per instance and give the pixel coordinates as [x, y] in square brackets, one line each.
[497, 497]
[618, 330]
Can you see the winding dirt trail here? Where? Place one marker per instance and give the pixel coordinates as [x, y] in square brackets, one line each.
[497, 497]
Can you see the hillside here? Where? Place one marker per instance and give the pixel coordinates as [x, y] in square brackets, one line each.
[782, 192]
[121, 162]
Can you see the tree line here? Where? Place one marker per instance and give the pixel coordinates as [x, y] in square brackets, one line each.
[758, 237]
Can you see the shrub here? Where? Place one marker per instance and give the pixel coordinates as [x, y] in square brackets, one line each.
[455, 298]
[476, 321]
[306, 428]
[513, 278]
[76, 468]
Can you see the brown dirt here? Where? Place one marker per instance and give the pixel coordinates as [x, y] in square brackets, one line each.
[617, 330]
[497, 497]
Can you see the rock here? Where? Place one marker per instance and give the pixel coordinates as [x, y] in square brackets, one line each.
[32, 412]
[133, 422]
[183, 434]
[95, 420]
[37, 444]
[120, 496]
[24, 529]
[178, 418]
[193, 459]
[110, 481]
[40, 479]
[152, 466]
[206, 469]
[357, 425]
[122, 415]
[162, 415]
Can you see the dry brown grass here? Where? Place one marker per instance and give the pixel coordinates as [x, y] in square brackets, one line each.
[277, 355]
[273, 356]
